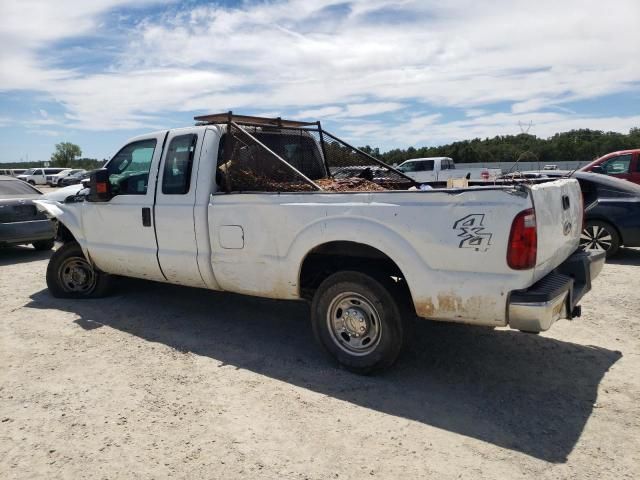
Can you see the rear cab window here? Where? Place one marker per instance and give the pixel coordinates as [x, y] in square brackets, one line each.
[178, 163]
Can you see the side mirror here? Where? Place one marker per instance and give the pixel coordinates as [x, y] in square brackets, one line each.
[597, 169]
[99, 186]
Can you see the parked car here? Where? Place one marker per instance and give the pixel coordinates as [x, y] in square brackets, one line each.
[21, 220]
[216, 208]
[54, 179]
[624, 164]
[74, 178]
[12, 172]
[612, 213]
[38, 176]
[550, 167]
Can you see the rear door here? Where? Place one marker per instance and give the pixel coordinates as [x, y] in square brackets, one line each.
[558, 207]
[174, 208]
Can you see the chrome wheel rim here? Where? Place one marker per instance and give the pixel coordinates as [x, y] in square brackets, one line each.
[354, 324]
[76, 275]
[596, 237]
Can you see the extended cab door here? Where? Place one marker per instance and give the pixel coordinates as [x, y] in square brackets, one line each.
[174, 208]
[119, 233]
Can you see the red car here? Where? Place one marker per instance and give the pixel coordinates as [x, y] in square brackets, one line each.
[624, 164]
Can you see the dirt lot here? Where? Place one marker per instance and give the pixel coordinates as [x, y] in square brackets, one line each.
[159, 381]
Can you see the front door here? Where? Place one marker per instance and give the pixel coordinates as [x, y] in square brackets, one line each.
[635, 169]
[618, 166]
[120, 233]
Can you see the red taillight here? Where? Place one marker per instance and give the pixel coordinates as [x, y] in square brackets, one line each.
[101, 187]
[485, 174]
[523, 241]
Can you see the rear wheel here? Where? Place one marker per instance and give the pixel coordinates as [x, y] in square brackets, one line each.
[357, 321]
[70, 275]
[43, 244]
[600, 236]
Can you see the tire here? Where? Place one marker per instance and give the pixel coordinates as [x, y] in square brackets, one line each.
[43, 244]
[598, 235]
[31, 182]
[369, 335]
[70, 275]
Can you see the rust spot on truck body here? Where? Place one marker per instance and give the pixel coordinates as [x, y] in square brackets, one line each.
[453, 307]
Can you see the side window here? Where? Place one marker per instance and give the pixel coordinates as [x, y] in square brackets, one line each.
[129, 169]
[409, 167]
[178, 161]
[426, 166]
[619, 164]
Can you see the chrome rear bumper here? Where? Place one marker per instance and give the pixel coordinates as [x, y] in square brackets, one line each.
[555, 296]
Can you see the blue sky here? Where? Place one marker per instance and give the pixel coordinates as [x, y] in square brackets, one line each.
[378, 72]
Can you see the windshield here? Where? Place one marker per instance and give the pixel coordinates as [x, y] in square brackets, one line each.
[29, 172]
[16, 187]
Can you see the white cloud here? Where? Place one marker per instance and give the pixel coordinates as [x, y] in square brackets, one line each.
[325, 60]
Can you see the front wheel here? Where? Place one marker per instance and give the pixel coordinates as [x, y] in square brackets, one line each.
[600, 236]
[70, 275]
[357, 321]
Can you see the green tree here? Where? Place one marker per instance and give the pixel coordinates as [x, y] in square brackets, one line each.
[65, 154]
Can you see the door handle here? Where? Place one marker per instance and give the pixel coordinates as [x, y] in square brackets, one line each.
[146, 217]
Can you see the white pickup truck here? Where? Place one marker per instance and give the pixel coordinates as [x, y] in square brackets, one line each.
[441, 169]
[170, 207]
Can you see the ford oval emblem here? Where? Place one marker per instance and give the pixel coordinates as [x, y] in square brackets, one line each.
[566, 228]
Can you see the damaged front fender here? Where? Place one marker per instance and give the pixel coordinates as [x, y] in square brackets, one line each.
[67, 214]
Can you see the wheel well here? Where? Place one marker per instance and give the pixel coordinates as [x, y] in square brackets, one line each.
[329, 258]
[64, 234]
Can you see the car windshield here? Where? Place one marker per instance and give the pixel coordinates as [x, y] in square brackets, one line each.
[29, 172]
[16, 187]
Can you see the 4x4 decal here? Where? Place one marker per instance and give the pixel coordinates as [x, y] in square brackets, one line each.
[472, 232]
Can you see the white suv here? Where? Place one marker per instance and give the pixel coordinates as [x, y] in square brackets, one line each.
[38, 176]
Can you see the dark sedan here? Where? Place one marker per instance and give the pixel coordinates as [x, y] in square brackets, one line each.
[21, 222]
[73, 179]
[612, 212]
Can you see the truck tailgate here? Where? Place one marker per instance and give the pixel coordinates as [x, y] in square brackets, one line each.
[558, 206]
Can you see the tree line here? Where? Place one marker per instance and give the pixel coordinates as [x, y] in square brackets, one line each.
[581, 145]
[66, 154]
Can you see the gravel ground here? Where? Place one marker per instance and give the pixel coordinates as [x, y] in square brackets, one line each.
[160, 381]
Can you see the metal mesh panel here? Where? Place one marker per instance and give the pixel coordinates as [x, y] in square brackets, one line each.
[346, 162]
[292, 159]
[248, 166]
